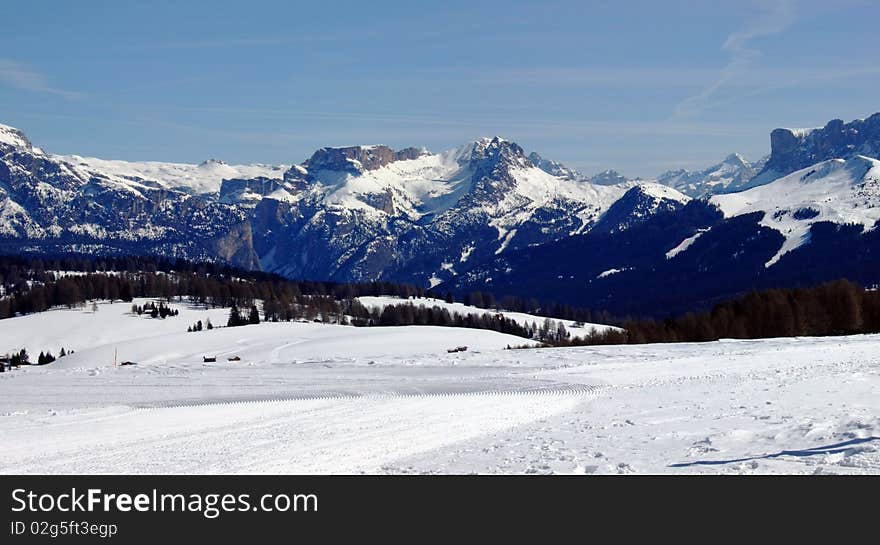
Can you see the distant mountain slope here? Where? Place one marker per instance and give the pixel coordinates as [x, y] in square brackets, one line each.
[483, 216]
[730, 175]
[795, 149]
[638, 205]
[555, 168]
[352, 213]
[814, 225]
[844, 192]
[609, 177]
[203, 178]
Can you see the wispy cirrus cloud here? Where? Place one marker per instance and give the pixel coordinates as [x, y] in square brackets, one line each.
[773, 17]
[22, 76]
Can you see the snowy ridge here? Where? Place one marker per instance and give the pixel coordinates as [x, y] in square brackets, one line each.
[358, 213]
[425, 185]
[204, 178]
[434, 183]
[11, 136]
[837, 190]
[609, 177]
[610, 272]
[521, 318]
[366, 213]
[662, 192]
[732, 174]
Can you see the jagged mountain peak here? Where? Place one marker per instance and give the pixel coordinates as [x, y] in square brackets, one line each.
[734, 173]
[11, 136]
[554, 167]
[735, 159]
[609, 177]
[642, 201]
[354, 159]
[496, 148]
[209, 162]
[794, 149]
[834, 190]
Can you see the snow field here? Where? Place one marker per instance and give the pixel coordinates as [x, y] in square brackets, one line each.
[348, 434]
[313, 398]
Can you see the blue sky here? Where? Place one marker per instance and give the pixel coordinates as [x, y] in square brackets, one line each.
[637, 86]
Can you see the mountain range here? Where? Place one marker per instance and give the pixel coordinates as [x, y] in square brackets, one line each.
[485, 215]
[732, 174]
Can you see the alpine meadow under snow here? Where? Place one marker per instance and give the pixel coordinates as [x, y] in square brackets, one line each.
[314, 398]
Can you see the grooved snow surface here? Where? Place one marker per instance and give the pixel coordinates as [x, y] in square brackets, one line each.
[801, 405]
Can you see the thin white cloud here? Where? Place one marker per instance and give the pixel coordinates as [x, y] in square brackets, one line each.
[578, 76]
[21, 76]
[774, 17]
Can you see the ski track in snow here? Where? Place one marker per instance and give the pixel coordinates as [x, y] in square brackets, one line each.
[308, 398]
[336, 434]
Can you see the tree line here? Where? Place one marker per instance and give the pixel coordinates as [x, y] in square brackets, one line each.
[35, 284]
[549, 309]
[833, 308]
[410, 313]
[21, 357]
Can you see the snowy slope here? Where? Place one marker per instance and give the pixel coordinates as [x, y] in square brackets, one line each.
[81, 329]
[434, 183]
[795, 149]
[519, 317]
[837, 190]
[639, 204]
[97, 336]
[367, 213]
[609, 177]
[428, 184]
[196, 179]
[732, 174]
[771, 406]
[685, 244]
[11, 136]
[356, 213]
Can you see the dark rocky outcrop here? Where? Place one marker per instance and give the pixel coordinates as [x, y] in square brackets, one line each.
[793, 149]
[354, 159]
[407, 154]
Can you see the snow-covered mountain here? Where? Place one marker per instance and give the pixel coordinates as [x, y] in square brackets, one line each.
[354, 213]
[364, 213]
[815, 224]
[794, 149]
[840, 191]
[482, 216]
[57, 203]
[203, 178]
[610, 177]
[555, 168]
[730, 175]
[10, 136]
[639, 204]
